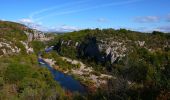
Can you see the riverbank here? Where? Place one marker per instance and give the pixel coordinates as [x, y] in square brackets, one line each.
[86, 75]
[63, 79]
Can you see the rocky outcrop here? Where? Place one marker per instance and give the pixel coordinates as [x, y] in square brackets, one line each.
[51, 62]
[115, 51]
[89, 49]
[37, 35]
[28, 49]
[110, 49]
[99, 50]
[8, 47]
[140, 43]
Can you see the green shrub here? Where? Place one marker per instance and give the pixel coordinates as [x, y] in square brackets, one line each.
[16, 72]
[37, 46]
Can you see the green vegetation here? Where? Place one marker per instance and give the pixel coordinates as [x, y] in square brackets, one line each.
[21, 77]
[63, 65]
[145, 68]
[16, 72]
[38, 46]
[13, 31]
[142, 74]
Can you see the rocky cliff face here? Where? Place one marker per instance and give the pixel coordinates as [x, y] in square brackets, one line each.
[110, 49]
[36, 35]
[99, 50]
[89, 49]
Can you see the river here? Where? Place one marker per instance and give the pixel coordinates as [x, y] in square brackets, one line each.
[66, 81]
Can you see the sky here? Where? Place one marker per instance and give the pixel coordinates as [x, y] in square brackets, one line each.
[70, 15]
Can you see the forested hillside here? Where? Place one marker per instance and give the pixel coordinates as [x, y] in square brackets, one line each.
[139, 61]
[21, 77]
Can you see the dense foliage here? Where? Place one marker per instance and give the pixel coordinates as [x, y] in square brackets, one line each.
[38, 46]
[22, 78]
[142, 74]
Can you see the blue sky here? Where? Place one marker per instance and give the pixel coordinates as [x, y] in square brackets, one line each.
[68, 15]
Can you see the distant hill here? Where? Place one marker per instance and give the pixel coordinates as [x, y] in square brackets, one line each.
[11, 30]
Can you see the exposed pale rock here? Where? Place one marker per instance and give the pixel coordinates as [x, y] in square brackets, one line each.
[140, 43]
[28, 49]
[115, 50]
[0, 45]
[36, 35]
[7, 47]
[108, 51]
[4, 51]
[84, 70]
[50, 61]
[69, 42]
[62, 42]
[76, 44]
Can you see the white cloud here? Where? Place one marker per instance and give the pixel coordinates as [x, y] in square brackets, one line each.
[141, 29]
[168, 18]
[102, 20]
[159, 28]
[38, 26]
[163, 28]
[69, 28]
[2, 19]
[32, 24]
[26, 20]
[147, 19]
[64, 28]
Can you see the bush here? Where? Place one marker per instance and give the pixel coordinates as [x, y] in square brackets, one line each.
[38, 46]
[16, 72]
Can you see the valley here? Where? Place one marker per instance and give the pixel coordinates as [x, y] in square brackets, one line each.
[86, 64]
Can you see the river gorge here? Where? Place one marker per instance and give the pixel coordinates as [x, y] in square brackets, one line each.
[66, 81]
